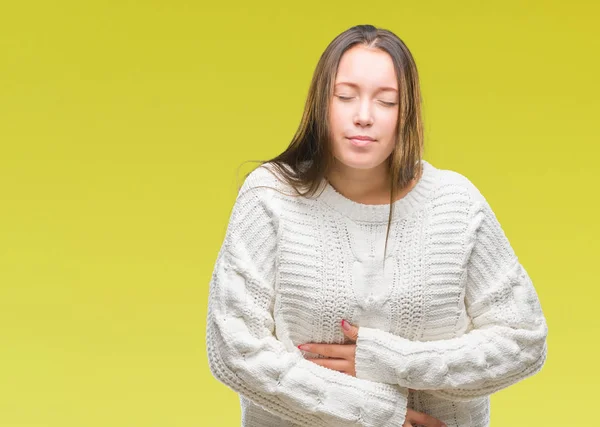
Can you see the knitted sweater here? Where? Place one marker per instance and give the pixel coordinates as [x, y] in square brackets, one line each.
[450, 312]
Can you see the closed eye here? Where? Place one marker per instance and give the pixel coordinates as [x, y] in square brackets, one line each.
[348, 98]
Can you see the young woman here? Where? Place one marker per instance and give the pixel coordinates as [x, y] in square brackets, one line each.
[357, 283]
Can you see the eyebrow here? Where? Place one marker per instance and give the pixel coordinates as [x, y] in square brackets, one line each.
[383, 88]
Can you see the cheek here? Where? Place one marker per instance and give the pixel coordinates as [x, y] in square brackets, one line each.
[388, 131]
[388, 124]
[335, 119]
[337, 128]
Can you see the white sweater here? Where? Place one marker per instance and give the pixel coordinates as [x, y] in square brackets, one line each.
[453, 314]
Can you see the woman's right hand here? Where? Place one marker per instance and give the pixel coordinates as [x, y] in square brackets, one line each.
[414, 418]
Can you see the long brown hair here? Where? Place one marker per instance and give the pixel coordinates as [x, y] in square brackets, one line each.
[308, 158]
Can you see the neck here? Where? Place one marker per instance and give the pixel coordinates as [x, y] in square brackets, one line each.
[366, 186]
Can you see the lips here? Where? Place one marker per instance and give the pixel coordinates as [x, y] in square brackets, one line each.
[360, 140]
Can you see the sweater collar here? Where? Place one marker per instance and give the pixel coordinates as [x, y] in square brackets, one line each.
[403, 207]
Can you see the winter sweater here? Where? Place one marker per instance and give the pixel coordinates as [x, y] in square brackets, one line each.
[450, 312]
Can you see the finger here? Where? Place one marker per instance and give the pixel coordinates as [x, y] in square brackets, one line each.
[339, 365]
[341, 351]
[350, 330]
[424, 419]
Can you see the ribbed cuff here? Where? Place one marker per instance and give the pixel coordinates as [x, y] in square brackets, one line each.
[372, 360]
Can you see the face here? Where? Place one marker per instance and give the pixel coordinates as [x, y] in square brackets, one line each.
[364, 109]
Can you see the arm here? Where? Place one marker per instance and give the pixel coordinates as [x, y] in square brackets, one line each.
[507, 342]
[243, 352]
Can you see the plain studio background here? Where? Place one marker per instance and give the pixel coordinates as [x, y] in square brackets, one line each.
[121, 127]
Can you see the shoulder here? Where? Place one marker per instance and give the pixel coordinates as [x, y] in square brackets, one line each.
[267, 174]
[264, 189]
[255, 211]
[452, 183]
[262, 181]
[460, 191]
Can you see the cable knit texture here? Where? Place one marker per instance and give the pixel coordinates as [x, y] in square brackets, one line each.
[449, 312]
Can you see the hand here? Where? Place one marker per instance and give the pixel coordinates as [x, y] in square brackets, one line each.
[414, 418]
[340, 357]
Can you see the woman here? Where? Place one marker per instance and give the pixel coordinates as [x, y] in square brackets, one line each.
[393, 277]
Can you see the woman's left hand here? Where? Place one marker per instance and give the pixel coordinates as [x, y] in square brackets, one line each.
[339, 357]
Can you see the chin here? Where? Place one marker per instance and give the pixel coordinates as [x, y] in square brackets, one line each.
[364, 161]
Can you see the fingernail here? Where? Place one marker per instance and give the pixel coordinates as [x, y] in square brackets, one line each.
[345, 325]
[302, 347]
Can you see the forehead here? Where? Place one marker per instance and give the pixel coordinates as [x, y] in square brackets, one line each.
[366, 67]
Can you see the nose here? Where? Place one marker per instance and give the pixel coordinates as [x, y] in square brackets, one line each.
[364, 116]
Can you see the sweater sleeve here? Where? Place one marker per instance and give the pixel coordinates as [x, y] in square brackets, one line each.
[507, 341]
[245, 355]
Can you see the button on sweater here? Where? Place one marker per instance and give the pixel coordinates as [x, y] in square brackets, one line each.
[449, 312]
